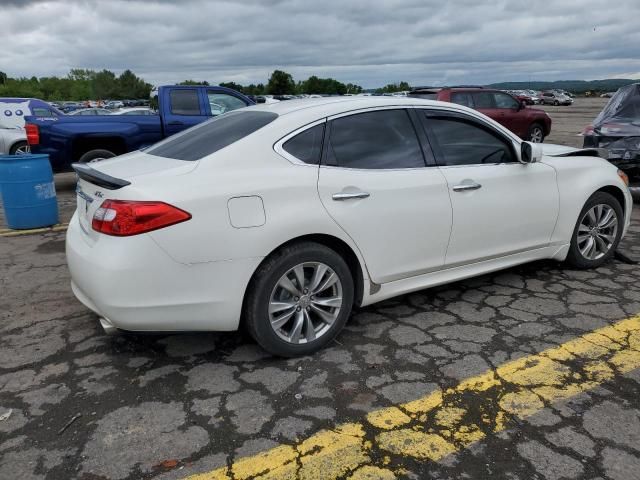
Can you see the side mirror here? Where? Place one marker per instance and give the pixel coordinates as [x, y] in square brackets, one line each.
[523, 104]
[530, 152]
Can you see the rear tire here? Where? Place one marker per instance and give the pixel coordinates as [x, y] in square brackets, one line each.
[536, 133]
[273, 311]
[589, 231]
[20, 148]
[96, 156]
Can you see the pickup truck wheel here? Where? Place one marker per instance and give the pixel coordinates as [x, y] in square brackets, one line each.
[556, 103]
[536, 133]
[20, 148]
[96, 156]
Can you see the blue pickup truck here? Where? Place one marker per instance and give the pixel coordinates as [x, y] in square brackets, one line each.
[75, 138]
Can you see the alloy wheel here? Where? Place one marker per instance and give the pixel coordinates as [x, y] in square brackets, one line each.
[22, 150]
[597, 231]
[305, 302]
[536, 135]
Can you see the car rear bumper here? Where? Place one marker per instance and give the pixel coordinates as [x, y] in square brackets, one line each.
[136, 286]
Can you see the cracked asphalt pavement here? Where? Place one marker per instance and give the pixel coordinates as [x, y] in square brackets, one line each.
[75, 403]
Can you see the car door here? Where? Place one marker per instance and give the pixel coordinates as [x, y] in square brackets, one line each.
[375, 184]
[510, 113]
[185, 110]
[500, 206]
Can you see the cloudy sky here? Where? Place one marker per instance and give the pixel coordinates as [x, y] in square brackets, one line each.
[367, 42]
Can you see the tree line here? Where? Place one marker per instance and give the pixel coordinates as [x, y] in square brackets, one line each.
[282, 83]
[84, 84]
[79, 84]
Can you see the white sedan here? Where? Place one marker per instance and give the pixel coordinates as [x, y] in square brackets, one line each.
[285, 216]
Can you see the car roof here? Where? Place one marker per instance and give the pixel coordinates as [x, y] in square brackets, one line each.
[327, 106]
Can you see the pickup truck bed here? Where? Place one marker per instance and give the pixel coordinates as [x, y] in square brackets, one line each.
[76, 138]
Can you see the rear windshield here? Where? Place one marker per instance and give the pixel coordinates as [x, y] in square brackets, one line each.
[212, 135]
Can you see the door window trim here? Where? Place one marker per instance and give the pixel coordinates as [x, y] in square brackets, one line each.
[278, 147]
[433, 141]
[329, 126]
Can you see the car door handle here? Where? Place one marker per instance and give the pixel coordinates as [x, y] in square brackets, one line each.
[463, 187]
[175, 123]
[339, 197]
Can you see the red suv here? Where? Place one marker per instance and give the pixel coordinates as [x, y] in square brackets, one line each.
[528, 123]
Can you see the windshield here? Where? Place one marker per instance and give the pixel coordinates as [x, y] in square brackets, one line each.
[209, 137]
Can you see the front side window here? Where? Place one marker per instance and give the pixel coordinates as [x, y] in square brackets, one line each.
[374, 140]
[307, 145]
[211, 136]
[223, 102]
[505, 101]
[184, 102]
[464, 142]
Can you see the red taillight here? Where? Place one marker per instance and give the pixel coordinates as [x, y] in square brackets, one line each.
[33, 134]
[123, 218]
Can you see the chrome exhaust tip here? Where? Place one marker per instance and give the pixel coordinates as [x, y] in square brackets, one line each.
[108, 328]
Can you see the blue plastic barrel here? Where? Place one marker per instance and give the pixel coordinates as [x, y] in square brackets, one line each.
[28, 191]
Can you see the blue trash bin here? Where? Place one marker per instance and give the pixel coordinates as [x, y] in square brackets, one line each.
[28, 191]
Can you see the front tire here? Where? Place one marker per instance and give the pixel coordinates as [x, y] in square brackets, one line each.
[536, 133]
[299, 299]
[556, 103]
[96, 156]
[597, 232]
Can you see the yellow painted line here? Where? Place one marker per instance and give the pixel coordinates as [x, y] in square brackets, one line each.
[443, 422]
[7, 232]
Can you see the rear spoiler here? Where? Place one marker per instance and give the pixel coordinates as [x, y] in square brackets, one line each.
[98, 178]
[584, 152]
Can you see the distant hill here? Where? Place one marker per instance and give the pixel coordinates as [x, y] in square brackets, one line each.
[575, 86]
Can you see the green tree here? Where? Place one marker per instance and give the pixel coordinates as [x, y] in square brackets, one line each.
[281, 83]
[233, 86]
[3, 78]
[104, 85]
[194, 82]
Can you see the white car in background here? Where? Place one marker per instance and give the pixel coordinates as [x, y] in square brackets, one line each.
[13, 141]
[285, 216]
[134, 111]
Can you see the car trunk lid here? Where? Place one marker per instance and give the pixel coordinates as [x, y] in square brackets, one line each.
[120, 178]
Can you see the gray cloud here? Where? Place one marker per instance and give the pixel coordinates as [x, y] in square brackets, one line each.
[370, 43]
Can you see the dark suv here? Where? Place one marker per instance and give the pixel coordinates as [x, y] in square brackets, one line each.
[528, 123]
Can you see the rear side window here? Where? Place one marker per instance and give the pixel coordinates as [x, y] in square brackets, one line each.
[483, 100]
[307, 145]
[41, 112]
[374, 140]
[184, 102]
[462, 98]
[212, 135]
